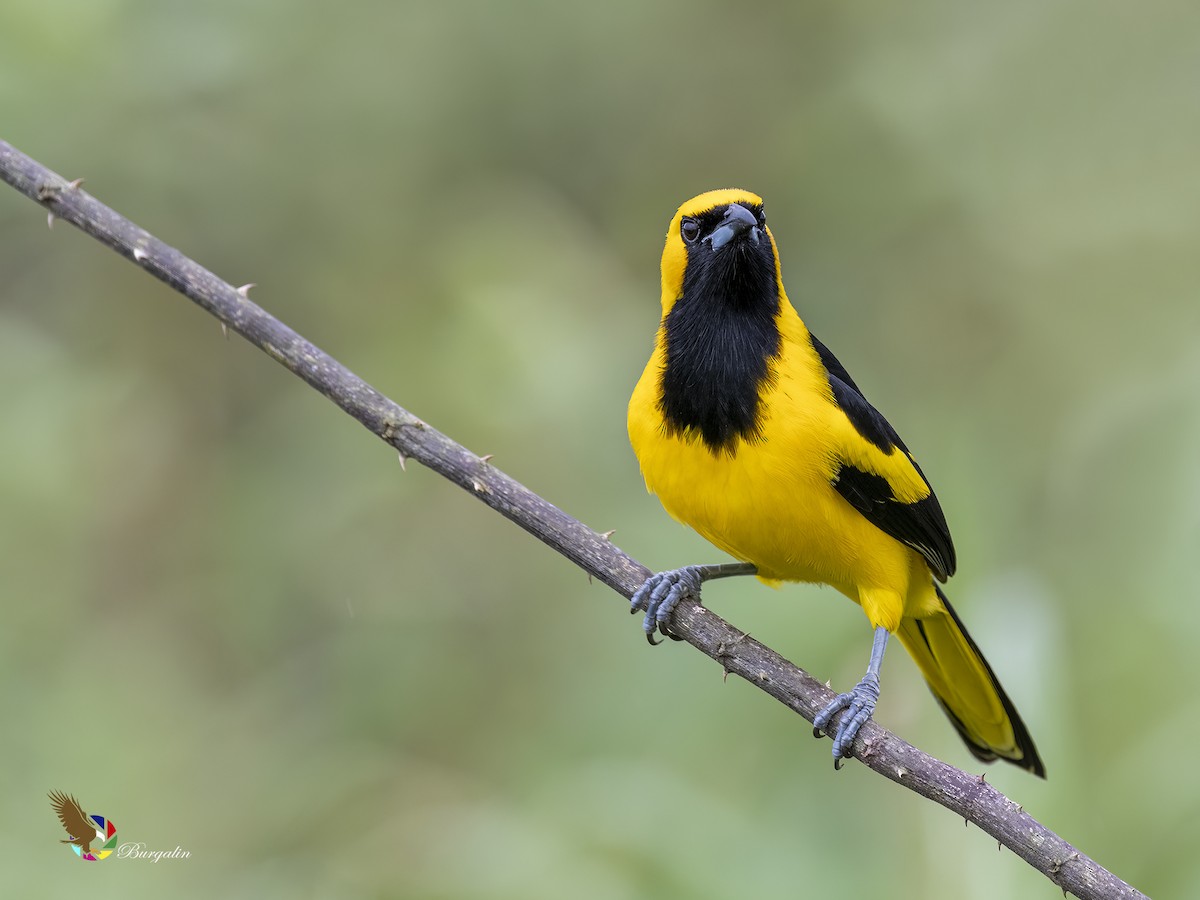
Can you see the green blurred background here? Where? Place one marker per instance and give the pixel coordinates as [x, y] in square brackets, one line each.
[233, 624]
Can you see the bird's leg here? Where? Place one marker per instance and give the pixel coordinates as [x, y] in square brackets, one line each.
[859, 703]
[661, 593]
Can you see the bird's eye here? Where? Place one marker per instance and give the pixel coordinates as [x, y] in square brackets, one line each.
[762, 216]
[690, 229]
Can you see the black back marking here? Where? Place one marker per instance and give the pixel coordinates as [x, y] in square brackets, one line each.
[920, 525]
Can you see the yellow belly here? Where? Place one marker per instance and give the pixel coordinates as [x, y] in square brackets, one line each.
[772, 502]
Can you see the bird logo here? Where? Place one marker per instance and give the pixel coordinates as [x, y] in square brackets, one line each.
[82, 829]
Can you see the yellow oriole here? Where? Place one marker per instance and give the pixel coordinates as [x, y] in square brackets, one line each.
[750, 431]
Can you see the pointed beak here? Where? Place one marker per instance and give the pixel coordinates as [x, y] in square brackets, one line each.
[738, 222]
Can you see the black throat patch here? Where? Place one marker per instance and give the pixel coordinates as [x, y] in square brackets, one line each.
[721, 344]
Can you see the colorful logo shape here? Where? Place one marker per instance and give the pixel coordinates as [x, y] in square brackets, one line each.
[84, 830]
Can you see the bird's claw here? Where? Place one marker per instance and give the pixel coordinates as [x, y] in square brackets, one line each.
[659, 596]
[858, 704]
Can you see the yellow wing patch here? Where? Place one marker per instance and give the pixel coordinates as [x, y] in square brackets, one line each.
[894, 466]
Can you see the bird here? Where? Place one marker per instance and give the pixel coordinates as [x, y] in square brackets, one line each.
[750, 431]
[80, 830]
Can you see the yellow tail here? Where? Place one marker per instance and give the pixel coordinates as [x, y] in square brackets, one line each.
[966, 687]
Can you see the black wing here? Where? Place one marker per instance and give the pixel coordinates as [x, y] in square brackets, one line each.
[920, 525]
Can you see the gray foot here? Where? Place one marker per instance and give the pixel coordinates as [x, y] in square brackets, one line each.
[858, 704]
[660, 595]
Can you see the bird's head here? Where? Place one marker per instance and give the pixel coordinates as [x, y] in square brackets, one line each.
[718, 245]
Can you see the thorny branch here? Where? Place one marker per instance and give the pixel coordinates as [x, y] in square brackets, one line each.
[966, 795]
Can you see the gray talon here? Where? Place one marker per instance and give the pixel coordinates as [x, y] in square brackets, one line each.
[858, 704]
[661, 593]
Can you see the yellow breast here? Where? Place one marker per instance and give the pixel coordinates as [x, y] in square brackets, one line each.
[770, 500]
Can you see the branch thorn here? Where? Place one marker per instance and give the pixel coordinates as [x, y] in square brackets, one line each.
[50, 220]
[139, 254]
[74, 184]
[486, 458]
[244, 290]
[607, 535]
[403, 460]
